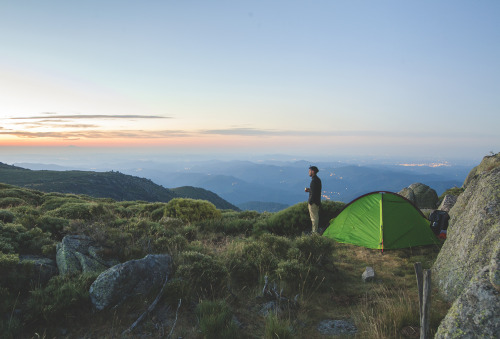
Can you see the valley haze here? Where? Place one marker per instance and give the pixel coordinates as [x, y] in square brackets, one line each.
[256, 181]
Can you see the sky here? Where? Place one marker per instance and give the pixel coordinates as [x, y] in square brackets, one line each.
[319, 78]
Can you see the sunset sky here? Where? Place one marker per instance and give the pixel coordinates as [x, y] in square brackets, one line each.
[306, 77]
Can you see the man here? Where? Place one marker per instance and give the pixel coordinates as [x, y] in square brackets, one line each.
[314, 201]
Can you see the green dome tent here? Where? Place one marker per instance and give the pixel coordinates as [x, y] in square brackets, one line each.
[381, 220]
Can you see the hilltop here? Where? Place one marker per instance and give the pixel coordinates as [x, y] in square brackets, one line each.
[114, 185]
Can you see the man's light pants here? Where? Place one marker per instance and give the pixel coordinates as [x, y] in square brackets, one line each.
[314, 213]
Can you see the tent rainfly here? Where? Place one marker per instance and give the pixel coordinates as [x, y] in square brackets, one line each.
[381, 220]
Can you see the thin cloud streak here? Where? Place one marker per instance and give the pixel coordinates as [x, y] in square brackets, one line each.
[77, 135]
[91, 116]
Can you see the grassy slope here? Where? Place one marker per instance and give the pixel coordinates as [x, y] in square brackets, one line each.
[385, 308]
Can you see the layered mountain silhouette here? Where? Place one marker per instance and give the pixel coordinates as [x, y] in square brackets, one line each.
[114, 185]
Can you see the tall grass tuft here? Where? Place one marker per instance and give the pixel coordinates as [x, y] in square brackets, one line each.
[216, 320]
[277, 328]
[386, 314]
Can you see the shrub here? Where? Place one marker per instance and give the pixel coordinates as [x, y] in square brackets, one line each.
[6, 216]
[206, 276]
[73, 211]
[293, 272]
[248, 260]
[312, 249]
[228, 226]
[26, 215]
[216, 320]
[291, 221]
[190, 210]
[10, 202]
[53, 225]
[61, 298]
[295, 220]
[28, 196]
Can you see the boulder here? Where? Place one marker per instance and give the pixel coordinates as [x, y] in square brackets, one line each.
[466, 270]
[135, 277]
[487, 164]
[421, 195]
[79, 254]
[475, 314]
[473, 235]
[448, 202]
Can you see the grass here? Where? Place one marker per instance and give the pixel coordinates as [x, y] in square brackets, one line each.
[218, 273]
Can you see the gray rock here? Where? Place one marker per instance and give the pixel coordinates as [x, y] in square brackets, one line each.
[475, 314]
[43, 268]
[77, 254]
[368, 274]
[473, 235]
[466, 270]
[448, 202]
[133, 277]
[337, 327]
[421, 195]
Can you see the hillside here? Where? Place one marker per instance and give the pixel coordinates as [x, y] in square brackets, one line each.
[114, 185]
[57, 252]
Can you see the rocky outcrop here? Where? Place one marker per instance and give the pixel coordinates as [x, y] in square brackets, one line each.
[42, 268]
[79, 254]
[476, 313]
[466, 270]
[421, 195]
[448, 202]
[133, 277]
[487, 164]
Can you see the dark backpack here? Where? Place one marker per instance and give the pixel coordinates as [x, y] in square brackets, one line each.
[439, 221]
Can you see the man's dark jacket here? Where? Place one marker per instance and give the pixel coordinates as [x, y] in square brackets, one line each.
[315, 191]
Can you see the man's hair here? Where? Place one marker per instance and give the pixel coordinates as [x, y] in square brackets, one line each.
[314, 168]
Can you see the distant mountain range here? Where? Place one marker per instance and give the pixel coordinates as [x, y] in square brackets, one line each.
[274, 185]
[112, 184]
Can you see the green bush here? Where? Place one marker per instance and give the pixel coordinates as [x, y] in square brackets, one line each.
[51, 202]
[206, 276]
[28, 196]
[313, 249]
[6, 216]
[73, 211]
[26, 215]
[216, 320]
[53, 225]
[249, 260]
[61, 298]
[295, 220]
[228, 226]
[10, 202]
[293, 273]
[190, 210]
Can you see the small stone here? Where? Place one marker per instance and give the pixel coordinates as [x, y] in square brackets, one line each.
[368, 274]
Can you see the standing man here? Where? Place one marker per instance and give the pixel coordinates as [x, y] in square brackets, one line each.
[314, 201]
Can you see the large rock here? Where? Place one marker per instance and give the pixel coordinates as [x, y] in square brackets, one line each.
[421, 195]
[133, 277]
[487, 164]
[448, 202]
[79, 254]
[43, 268]
[475, 314]
[467, 266]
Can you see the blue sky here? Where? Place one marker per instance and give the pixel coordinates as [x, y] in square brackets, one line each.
[312, 77]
